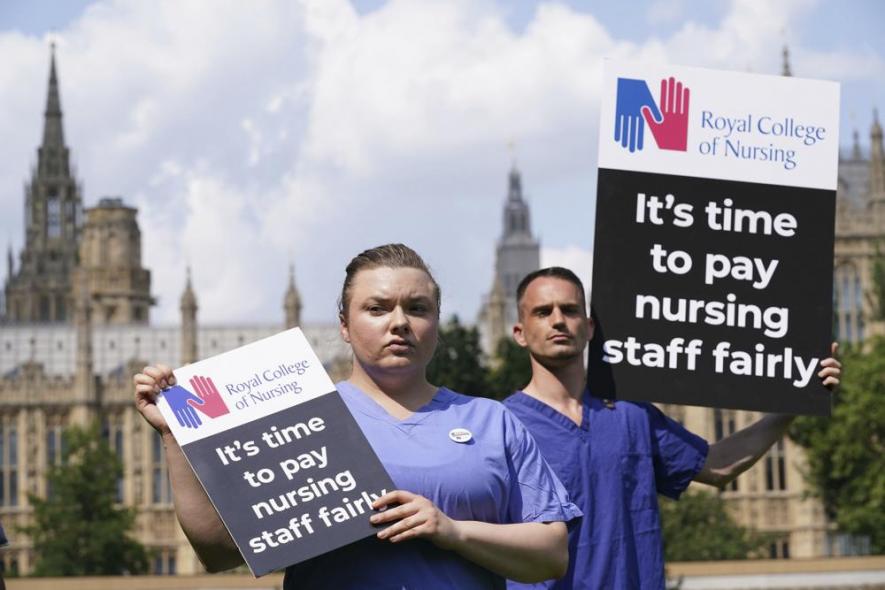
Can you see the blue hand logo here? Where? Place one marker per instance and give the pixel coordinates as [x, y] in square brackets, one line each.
[178, 397]
[629, 123]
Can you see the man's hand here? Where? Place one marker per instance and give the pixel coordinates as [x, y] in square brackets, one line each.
[832, 368]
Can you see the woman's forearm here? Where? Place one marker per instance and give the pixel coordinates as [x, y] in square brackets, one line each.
[198, 518]
[524, 552]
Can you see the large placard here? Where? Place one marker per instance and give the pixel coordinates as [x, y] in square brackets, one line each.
[280, 456]
[713, 254]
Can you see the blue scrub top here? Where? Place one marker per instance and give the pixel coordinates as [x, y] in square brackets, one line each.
[497, 476]
[613, 465]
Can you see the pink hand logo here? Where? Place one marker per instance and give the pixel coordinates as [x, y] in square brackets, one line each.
[671, 132]
[212, 404]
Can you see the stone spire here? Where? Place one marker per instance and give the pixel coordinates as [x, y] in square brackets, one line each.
[517, 254]
[877, 160]
[188, 322]
[42, 291]
[786, 71]
[516, 211]
[877, 184]
[855, 146]
[10, 268]
[53, 156]
[10, 265]
[292, 301]
[53, 134]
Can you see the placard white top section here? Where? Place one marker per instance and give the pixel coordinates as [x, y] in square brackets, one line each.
[242, 385]
[724, 125]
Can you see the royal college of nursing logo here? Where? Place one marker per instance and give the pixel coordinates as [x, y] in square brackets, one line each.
[667, 119]
[185, 405]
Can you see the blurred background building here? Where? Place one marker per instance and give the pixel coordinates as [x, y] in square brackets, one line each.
[74, 329]
[772, 496]
[75, 326]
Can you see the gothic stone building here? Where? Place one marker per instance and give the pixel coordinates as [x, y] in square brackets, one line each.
[771, 496]
[517, 254]
[75, 328]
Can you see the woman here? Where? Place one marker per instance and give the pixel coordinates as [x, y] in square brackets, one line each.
[481, 504]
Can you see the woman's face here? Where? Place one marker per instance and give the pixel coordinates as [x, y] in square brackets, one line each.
[392, 321]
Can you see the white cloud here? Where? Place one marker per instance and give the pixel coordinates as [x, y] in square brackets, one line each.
[248, 134]
[839, 65]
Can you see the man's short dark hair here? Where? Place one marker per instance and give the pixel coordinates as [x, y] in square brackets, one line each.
[557, 272]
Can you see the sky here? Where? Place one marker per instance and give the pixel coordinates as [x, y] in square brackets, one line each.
[252, 135]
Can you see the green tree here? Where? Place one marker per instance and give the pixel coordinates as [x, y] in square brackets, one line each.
[846, 452]
[699, 528]
[78, 530]
[458, 361]
[513, 369]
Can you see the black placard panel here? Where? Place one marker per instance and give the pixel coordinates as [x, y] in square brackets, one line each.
[762, 326]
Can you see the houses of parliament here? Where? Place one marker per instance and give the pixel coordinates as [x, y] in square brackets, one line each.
[75, 326]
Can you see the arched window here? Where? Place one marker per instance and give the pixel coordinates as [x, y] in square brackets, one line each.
[724, 424]
[848, 304]
[775, 468]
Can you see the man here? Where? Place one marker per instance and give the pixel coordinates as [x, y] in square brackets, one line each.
[614, 457]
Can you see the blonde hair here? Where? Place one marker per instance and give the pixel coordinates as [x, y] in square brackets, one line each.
[390, 256]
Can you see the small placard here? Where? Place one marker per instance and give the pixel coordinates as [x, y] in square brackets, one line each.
[279, 454]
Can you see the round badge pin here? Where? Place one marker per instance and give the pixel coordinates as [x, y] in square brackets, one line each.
[460, 435]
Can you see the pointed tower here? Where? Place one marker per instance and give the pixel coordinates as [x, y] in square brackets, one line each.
[877, 174]
[877, 159]
[10, 266]
[292, 302]
[517, 254]
[41, 290]
[786, 70]
[188, 323]
[856, 154]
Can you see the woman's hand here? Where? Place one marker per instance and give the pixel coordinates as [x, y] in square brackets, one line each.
[148, 385]
[417, 518]
[526, 552]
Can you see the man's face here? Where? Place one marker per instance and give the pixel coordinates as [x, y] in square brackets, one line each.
[553, 324]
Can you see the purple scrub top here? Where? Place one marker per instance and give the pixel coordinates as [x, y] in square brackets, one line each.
[613, 465]
[497, 475]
